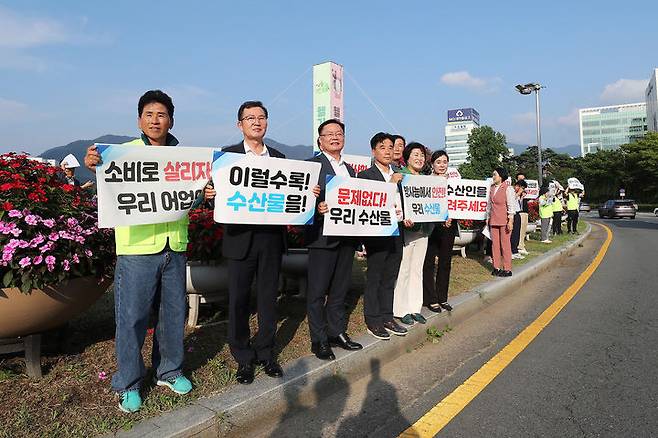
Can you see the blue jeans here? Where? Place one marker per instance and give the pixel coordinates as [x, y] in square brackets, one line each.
[142, 283]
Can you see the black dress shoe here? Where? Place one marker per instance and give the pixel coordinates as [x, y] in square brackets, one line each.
[322, 351]
[446, 306]
[343, 341]
[395, 328]
[496, 272]
[271, 368]
[245, 374]
[434, 307]
[505, 273]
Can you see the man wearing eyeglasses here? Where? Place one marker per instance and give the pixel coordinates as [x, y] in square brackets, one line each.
[253, 250]
[330, 259]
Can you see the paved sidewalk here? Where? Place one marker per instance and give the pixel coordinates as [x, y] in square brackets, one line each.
[235, 408]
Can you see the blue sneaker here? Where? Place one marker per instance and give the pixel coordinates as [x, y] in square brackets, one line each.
[180, 385]
[130, 401]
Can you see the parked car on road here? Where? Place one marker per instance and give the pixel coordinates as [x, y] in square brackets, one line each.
[614, 208]
[655, 211]
[584, 207]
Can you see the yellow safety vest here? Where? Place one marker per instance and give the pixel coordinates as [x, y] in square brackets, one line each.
[546, 211]
[572, 201]
[151, 238]
[557, 205]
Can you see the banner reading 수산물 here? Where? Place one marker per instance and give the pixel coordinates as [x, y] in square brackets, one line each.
[263, 190]
[425, 198]
[467, 199]
[140, 185]
[532, 191]
[360, 207]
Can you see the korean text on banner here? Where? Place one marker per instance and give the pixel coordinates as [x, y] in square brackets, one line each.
[140, 185]
[358, 162]
[425, 198]
[263, 190]
[467, 199]
[360, 207]
[532, 191]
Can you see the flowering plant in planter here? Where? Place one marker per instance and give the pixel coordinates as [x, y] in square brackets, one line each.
[470, 224]
[533, 210]
[48, 228]
[204, 236]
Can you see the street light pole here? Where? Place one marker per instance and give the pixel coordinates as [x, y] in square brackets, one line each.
[539, 162]
[528, 89]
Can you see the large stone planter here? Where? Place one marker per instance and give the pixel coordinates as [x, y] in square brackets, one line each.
[205, 283]
[462, 239]
[47, 308]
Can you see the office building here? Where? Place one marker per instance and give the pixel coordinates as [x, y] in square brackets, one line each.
[460, 124]
[608, 127]
[651, 96]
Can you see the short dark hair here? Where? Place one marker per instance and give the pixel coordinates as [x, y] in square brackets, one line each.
[521, 183]
[251, 104]
[398, 136]
[520, 173]
[406, 153]
[502, 172]
[437, 154]
[329, 122]
[157, 96]
[379, 138]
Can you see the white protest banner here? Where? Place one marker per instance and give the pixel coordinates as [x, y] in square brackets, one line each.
[467, 199]
[425, 198]
[360, 207]
[358, 162]
[453, 172]
[140, 185]
[263, 190]
[532, 191]
[575, 184]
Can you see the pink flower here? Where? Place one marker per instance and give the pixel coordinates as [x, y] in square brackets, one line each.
[50, 262]
[31, 219]
[72, 222]
[37, 260]
[66, 265]
[47, 247]
[190, 349]
[7, 256]
[25, 261]
[37, 241]
[49, 223]
[23, 244]
[102, 376]
[88, 253]
[53, 236]
[75, 258]
[15, 213]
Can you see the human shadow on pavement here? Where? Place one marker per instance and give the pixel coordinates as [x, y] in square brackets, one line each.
[310, 418]
[380, 410]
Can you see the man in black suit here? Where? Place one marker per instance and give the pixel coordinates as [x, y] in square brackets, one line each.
[384, 254]
[330, 258]
[253, 250]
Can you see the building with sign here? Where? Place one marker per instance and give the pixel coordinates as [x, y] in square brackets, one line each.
[460, 124]
[327, 95]
[651, 96]
[608, 127]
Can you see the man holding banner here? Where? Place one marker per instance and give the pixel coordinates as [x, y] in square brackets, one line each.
[330, 258]
[150, 269]
[384, 254]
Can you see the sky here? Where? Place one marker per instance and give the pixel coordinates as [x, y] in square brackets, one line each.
[74, 70]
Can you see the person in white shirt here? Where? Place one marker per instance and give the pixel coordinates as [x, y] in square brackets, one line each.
[519, 187]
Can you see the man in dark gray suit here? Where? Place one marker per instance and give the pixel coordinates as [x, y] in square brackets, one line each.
[330, 258]
[384, 254]
[253, 250]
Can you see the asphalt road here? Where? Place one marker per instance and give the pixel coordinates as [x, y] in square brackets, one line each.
[591, 372]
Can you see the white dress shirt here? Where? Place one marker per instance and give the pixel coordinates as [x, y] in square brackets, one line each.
[387, 175]
[248, 151]
[339, 166]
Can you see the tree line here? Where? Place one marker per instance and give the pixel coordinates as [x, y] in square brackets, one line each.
[633, 167]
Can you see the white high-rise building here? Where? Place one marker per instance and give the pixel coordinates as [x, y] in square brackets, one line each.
[651, 96]
[460, 124]
[608, 127]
